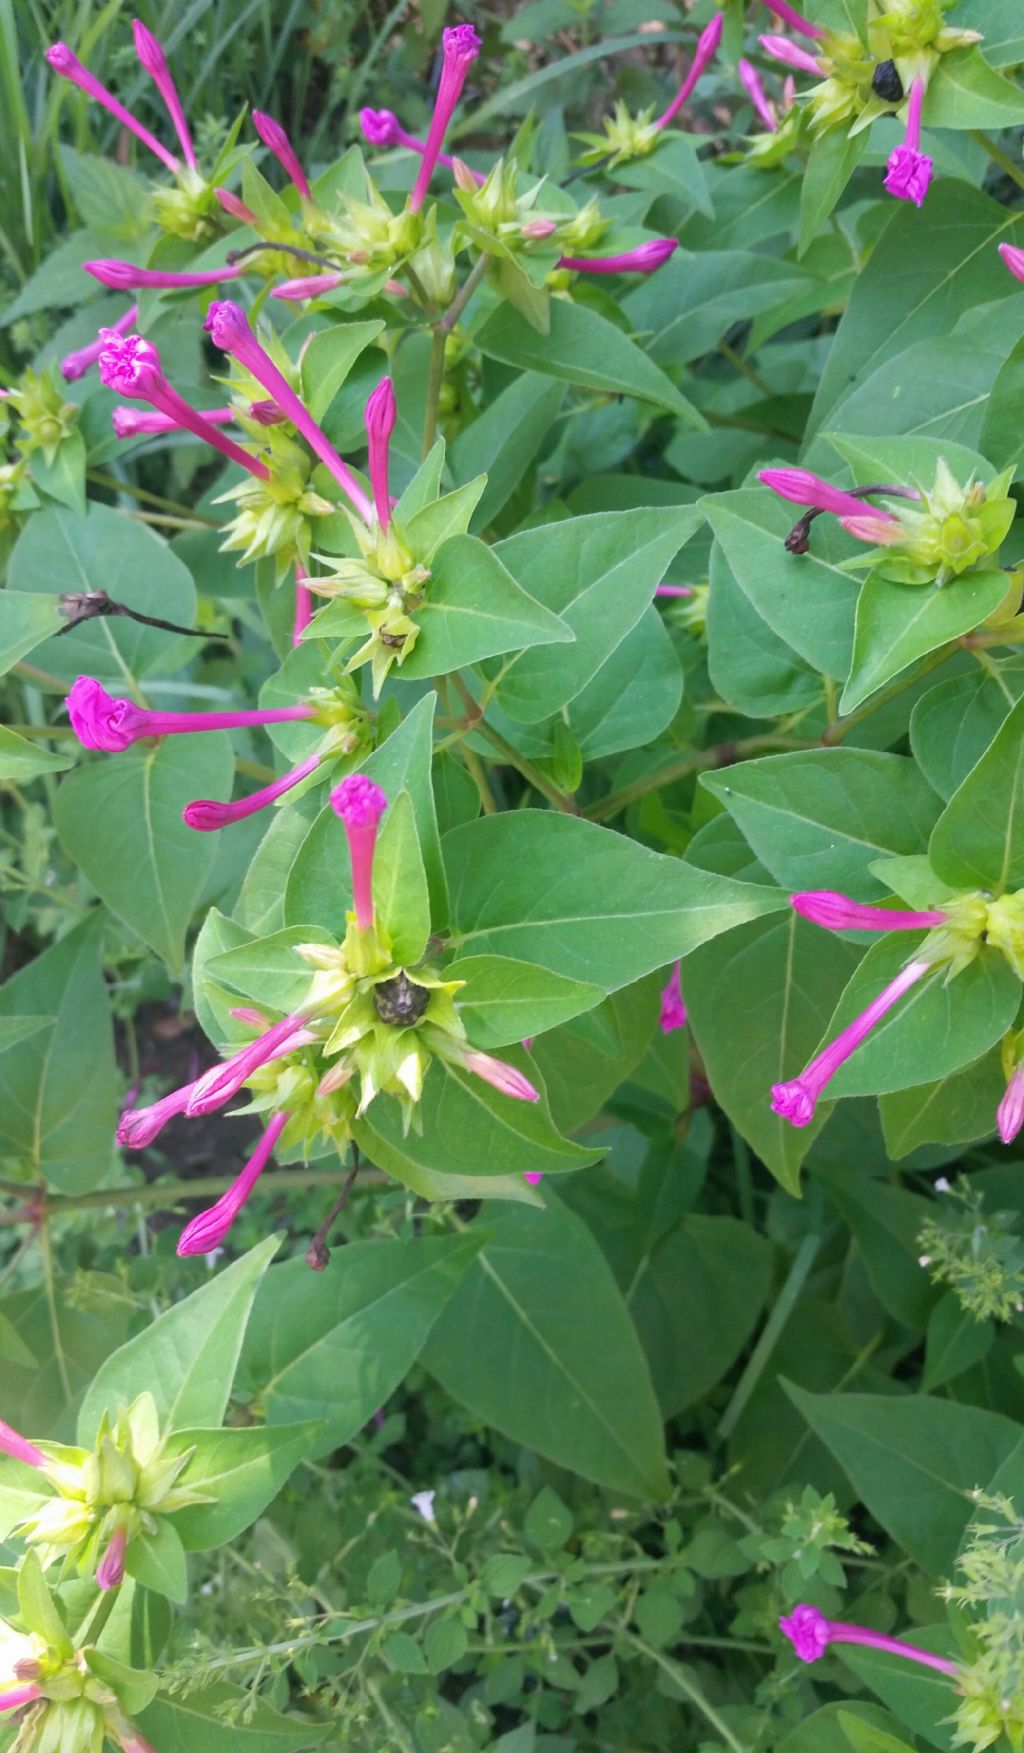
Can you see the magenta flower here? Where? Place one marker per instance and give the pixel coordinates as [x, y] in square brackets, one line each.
[781, 49]
[223, 1081]
[208, 1229]
[1014, 259]
[810, 1633]
[276, 141]
[909, 172]
[131, 367]
[382, 128]
[381, 414]
[101, 721]
[673, 1006]
[534, 1176]
[303, 606]
[795, 1101]
[155, 62]
[234, 205]
[19, 1448]
[229, 326]
[800, 487]
[307, 286]
[267, 413]
[790, 16]
[1010, 1113]
[19, 1696]
[876, 527]
[750, 79]
[707, 48]
[838, 913]
[674, 590]
[110, 1570]
[126, 277]
[68, 66]
[460, 48]
[360, 804]
[138, 1127]
[643, 260]
[206, 815]
[500, 1075]
[75, 365]
[142, 422]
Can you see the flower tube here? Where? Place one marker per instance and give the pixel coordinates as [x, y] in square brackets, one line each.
[131, 367]
[208, 1229]
[154, 61]
[70, 67]
[206, 816]
[460, 47]
[707, 48]
[810, 1633]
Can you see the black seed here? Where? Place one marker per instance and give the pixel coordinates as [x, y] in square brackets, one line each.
[400, 1001]
[887, 84]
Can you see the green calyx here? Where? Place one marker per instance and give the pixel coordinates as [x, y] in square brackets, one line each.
[273, 519]
[973, 920]
[625, 137]
[368, 236]
[187, 208]
[951, 531]
[46, 418]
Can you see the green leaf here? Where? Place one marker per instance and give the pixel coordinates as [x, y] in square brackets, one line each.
[934, 1029]
[120, 819]
[953, 1110]
[1000, 23]
[791, 975]
[63, 478]
[672, 169]
[444, 1644]
[865, 1738]
[25, 621]
[803, 598]
[978, 841]
[400, 893]
[505, 1001]
[921, 1698]
[897, 624]
[582, 900]
[226, 1719]
[327, 359]
[582, 348]
[58, 1085]
[684, 309]
[533, 1301]
[547, 1523]
[474, 609]
[468, 1129]
[599, 575]
[505, 438]
[955, 1342]
[14, 1029]
[336, 1344]
[186, 1358]
[953, 725]
[21, 760]
[38, 1608]
[68, 1346]
[967, 93]
[157, 1560]
[885, 1223]
[105, 551]
[913, 1461]
[267, 969]
[634, 696]
[242, 1470]
[818, 1731]
[831, 162]
[817, 819]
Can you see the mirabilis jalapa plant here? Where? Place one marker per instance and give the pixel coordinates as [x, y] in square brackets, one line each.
[422, 977]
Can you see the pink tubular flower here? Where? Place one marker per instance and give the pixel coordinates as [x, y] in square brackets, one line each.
[790, 16]
[534, 1176]
[75, 365]
[155, 62]
[126, 277]
[876, 527]
[70, 67]
[707, 48]
[360, 804]
[131, 367]
[101, 721]
[674, 590]
[221, 1082]
[208, 1229]
[142, 422]
[795, 1101]
[381, 414]
[307, 286]
[138, 1127]
[673, 1006]
[781, 49]
[206, 815]
[460, 47]
[909, 171]
[500, 1076]
[229, 326]
[1010, 1113]
[382, 128]
[234, 205]
[810, 1633]
[19, 1448]
[800, 487]
[643, 260]
[1013, 259]
[750, 79]
[276, 141]
[19, 1696]
[303, 606]
[838, 913]
[110, 1570]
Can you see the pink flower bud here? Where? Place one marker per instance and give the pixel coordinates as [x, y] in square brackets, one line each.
[750, 79]
[110, 1570]
[536, 230]
[644, 260]
[381, 414]
[276, 141]
[19, 1448]
[18, 1696]
[781, 49]
[70, 67]
[360, 804]
[126, 277]
[1010, 1114]
[500, 1076]
[138, 1127]
[219, 1084]
[706, 50]
[534, 1176]
[206, 816]
[155, 62]
[673, 1006]
[460, 47]
[307, 286]
[876, 528]
[142, 422]
[790, 16]
[800, 487]
[838, 913]
[234, 205]
[796, 1101]
[131, 367]
[208, 1230]
[1013, 259]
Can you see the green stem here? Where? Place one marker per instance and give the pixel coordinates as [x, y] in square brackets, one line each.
[98, 1617]
[99, 479]
[435, 382]
[463, 296]
[998, 156]
[835, 732]
[165, 1195]
[509, 753]
[722, 755]
[680, 1678]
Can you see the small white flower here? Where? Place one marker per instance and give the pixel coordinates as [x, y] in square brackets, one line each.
[423, 1503]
